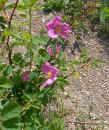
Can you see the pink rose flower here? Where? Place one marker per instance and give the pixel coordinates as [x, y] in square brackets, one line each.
[25, 76]
[57, 28]
[51, 73]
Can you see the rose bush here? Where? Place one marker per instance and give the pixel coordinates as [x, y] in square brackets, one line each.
[31, 79]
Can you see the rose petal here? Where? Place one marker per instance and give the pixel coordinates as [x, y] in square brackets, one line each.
[52, 34]
[49, 82]
[64, 35]
[50, 25]
[57, 18]
[66, 27]
[45, 67]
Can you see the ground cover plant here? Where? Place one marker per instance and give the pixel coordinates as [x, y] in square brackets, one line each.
[30, 81]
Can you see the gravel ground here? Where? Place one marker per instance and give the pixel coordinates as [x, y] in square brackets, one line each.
[90, 93]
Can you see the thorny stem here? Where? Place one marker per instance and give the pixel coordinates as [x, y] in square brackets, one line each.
[9, 26]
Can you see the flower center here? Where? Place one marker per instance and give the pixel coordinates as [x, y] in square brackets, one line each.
[49, 75]
[58, 29]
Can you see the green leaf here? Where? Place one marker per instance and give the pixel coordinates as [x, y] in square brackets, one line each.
[7, 32]
[75, 63]
[32, 75]
[11, 110]
[8, 70]
[2, 22]
[5, 83]
[84, 56]
[29, 3]
[63, 80]
[62, 124]
[37, 40]
[9, 6]
[33, 2]
[18, 59]
[26, 35]
[61, 41]
[11, 124]
[95, 63]
[2, 4]
[42, 52]
[104, 14]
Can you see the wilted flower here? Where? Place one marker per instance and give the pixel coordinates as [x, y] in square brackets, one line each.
[50, 50]
[51, 73]
[57, 28]
[25, 76]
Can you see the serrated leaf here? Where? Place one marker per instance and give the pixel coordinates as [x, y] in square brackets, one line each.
[40, 40]
[11, 110]
[5, 83]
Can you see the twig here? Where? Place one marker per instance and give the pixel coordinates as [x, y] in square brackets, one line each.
[9, 26]
[13, 13]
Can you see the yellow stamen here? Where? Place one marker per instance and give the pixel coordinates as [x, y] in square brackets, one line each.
[58, 29]
[49, 75]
